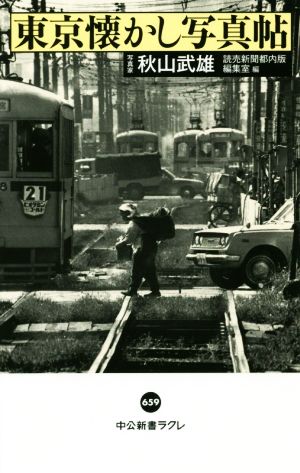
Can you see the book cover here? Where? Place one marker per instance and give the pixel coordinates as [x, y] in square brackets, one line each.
[149, 236]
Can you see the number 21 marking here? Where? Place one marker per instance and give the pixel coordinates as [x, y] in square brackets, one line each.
[35, 193]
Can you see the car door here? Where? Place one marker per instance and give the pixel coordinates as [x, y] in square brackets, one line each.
[166, 185]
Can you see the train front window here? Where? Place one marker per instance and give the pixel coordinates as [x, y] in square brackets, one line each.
[221, 149]
[122, 147]
[34, 147]
[235, 149]
[150, 146]
[205, 150]
[137, 147]
[4, 147]
[182, 150]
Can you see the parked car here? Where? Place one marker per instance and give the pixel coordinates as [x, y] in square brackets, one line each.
[173, 185]
[245, 254]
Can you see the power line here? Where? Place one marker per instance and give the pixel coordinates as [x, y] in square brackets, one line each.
[139, 5]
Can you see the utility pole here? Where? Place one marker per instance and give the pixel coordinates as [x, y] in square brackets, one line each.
[5, 54]
[36, 60]
[76, 84]
[65, 66]
[77, 108]
[250, 107]
[46, 82]
[230, 105]
[287, 109]
[55, 72]
[237, 91]
[268, 138]
[256, 136]
[184, 4]
[121, 91]
[108, 105]
[101, 100]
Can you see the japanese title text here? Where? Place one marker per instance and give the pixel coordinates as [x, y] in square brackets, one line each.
[125, 32]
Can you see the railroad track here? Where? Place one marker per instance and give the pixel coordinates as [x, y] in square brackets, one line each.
[33, 340]
[208, 345]
[7, 319]
[176, 345]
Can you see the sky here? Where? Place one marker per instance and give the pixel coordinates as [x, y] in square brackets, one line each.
[138, 5]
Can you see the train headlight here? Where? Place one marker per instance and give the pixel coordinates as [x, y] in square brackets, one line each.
[224, 240]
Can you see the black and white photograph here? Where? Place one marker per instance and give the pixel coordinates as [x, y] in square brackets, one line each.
[149, 234]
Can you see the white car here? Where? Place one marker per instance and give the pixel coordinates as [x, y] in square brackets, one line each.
[245, 254]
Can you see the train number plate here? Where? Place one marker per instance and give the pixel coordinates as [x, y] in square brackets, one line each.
[34, 200]
[201, 258]
[34, 193]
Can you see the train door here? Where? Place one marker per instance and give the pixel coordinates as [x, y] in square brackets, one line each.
[66, 153]
[6, 140]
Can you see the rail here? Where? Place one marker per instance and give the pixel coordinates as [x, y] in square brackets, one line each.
[239, 360]
[6, 319]
[112, 339]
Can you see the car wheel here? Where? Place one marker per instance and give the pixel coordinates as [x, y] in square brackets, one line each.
[187, 193]
[260, 270]
[226, 278]
[135, 192]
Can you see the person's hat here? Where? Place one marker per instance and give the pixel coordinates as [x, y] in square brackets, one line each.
[128, 209]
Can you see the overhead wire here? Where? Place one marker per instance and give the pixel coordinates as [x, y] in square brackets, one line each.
[140, 5]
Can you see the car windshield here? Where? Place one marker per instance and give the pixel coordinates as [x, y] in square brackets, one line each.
[285, 214]
[168, 173]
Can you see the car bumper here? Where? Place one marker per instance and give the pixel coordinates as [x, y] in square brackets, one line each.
[209, 260]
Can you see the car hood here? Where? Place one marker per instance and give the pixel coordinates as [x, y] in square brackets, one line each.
[182, 180]
[253, 228]
[221, 230]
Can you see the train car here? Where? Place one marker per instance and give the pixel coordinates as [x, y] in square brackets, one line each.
[185, 151]
[137, 141]
[36, 182]
[219, 149]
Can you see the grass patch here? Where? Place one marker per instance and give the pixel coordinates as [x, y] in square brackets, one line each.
[87, 309]
[171, 257]
[110, 237]
[281, 347]
[191, 212]
[92, 212]
[55, 354]
[83, 238]
[268, 306]
[277, 353]
[71, 282]
[93, 260]
[172, 253]
[179, 308]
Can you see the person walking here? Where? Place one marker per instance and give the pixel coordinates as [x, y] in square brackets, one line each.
[144, 248]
